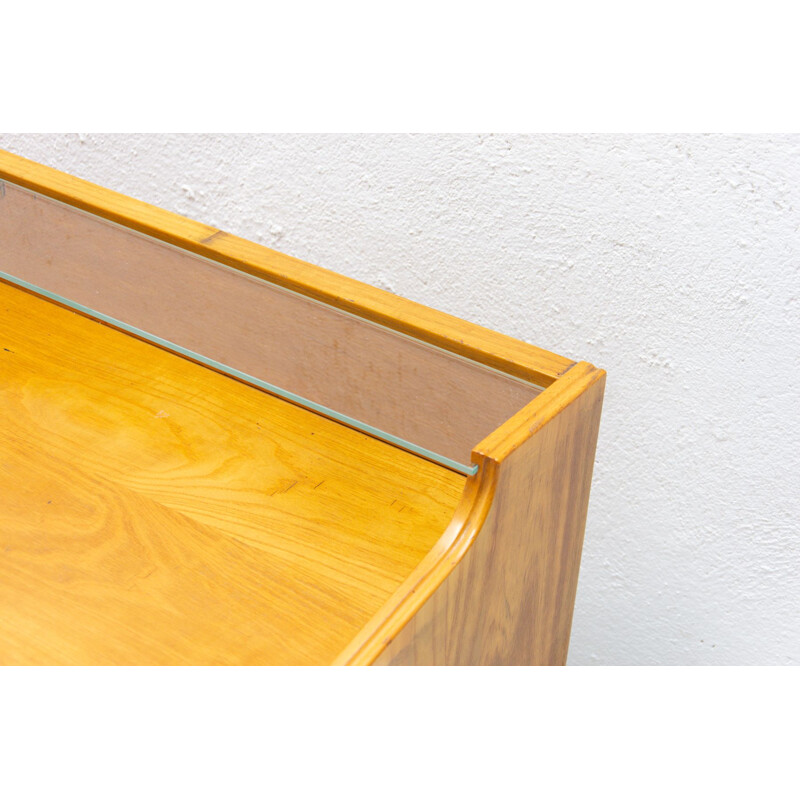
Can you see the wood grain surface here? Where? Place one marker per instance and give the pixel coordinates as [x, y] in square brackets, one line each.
[499, 586]
[510, 600]
[155, 512]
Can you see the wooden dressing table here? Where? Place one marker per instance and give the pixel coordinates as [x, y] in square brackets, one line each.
[214, 453]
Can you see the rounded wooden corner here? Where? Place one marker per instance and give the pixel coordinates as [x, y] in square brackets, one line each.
[457, 538]
[467, 521]
[470, 515]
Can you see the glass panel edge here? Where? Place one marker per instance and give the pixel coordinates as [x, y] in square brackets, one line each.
[251, 380]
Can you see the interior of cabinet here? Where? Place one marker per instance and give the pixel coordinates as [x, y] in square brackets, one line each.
[215, 453]
[155, 511]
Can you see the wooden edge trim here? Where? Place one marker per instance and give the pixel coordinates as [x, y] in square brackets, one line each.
[499, 444]
[469, 516]
[405, 316]
[467, 521]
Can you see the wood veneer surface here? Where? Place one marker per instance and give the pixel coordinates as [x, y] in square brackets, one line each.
[153, 511]
[509, 601]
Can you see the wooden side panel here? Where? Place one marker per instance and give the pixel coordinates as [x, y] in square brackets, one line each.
[422, 394]
[510, 599]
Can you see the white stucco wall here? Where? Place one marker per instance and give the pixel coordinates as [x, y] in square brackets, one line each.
[672, 261]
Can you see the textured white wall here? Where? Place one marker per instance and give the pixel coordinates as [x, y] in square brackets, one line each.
[670, 260]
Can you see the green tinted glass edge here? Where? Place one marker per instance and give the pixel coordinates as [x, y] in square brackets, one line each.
[463, 469]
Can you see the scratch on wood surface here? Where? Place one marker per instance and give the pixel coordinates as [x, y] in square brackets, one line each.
[213, 236]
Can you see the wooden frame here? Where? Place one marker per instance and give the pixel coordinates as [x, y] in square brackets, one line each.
[498, 587]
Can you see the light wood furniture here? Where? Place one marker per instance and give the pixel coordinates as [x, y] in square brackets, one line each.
[213, 453]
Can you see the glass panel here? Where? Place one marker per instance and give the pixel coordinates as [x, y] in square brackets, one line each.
[391, 386]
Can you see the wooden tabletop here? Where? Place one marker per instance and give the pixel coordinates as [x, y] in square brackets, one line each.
[153, 511]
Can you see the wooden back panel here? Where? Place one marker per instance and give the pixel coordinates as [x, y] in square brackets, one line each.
[428, 396]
